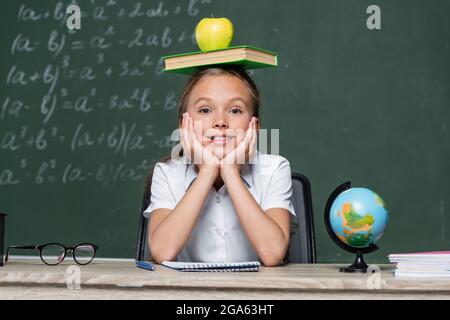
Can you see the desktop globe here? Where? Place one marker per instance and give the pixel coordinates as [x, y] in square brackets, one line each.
[358, 217]
[355, 219]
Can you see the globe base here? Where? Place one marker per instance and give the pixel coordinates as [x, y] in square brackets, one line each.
[359, 265]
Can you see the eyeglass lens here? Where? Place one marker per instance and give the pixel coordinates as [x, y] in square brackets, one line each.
[84, 253]
[53, 254]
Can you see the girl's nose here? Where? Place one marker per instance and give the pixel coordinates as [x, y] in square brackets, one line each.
[220, 123]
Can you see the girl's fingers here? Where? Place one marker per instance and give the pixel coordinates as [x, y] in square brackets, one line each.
[191, 129]
[248, 132]
[182, 131]
[190, 123]
[191, 139]
[188, 133]
[186, 145]
[210, 153]
[186, 138]
[183, 143]
[198, 130]
[210, 148]
[194, 131]
[252, 148]
[251, 139]
[249, 135]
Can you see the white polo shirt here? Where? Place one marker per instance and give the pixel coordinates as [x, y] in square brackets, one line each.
[218, 235]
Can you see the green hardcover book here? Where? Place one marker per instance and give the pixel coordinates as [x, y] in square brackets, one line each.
[249, 57]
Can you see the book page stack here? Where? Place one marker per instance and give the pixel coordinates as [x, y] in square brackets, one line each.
[248, 57]
[422, 264]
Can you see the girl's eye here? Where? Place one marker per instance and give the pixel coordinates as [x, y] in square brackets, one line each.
[203, 110]
[236, 110]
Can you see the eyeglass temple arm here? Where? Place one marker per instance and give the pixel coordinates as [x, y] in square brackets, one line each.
[17, 247]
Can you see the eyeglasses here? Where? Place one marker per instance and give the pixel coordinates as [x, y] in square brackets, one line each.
[54, 253]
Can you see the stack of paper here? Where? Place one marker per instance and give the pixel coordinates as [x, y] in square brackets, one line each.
[422, 264]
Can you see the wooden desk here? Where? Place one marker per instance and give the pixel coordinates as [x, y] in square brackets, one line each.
[122, 280]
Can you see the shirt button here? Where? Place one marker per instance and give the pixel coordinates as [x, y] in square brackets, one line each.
[220, 232]
[217, 199]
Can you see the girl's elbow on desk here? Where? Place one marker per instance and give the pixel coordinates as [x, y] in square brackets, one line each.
[272, 254]
[271, 259]
[271, 262]
[160, 254]
[159, 258]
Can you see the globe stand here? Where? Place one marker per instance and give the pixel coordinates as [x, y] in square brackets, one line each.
[359, 265]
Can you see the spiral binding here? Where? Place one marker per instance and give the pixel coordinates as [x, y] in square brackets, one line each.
[215, 267]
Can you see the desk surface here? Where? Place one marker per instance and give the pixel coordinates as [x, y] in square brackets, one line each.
[116, 280]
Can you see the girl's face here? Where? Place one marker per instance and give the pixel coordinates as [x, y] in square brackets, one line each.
[222, 107]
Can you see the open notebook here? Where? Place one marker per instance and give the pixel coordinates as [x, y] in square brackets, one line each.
[251, 266]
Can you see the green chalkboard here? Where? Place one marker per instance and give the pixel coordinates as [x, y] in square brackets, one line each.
[84, 114]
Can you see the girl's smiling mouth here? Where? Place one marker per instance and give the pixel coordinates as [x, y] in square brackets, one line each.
[219, 139]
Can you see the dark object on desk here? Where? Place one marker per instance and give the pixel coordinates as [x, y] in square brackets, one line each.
[54, 253]
[2, 236]
[302, 248]
[359, 265]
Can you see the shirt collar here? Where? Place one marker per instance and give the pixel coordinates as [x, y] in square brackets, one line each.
[246, 172]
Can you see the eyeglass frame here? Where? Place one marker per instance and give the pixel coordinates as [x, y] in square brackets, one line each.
[66, 249]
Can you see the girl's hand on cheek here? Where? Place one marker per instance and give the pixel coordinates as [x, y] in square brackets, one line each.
[244, 152]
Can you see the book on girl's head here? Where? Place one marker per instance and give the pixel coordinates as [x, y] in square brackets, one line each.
[249, 57]
[251, 266]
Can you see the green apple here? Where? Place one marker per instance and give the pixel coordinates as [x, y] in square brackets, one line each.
[214, 33]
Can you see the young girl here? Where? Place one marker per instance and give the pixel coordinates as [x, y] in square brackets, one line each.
[223, 201]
